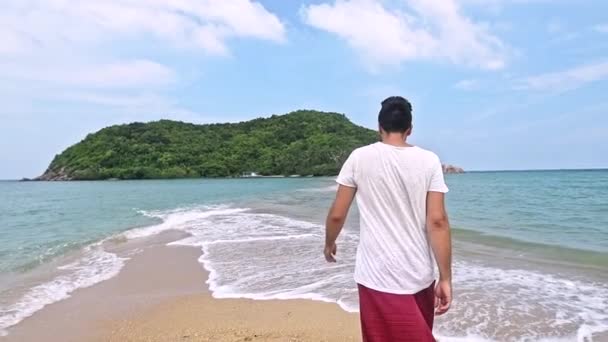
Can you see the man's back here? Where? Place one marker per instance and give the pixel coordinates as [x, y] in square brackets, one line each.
[392, 184]
[404, 229]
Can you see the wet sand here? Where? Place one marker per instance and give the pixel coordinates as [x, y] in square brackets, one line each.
[161, 295]
[202, 318]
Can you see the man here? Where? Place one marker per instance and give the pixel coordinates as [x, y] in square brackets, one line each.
[403, 229]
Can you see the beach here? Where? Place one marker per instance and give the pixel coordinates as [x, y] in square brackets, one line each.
[158, 297]
[240, 259]
[178, 170]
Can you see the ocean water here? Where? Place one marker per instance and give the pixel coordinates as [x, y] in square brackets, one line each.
[531, 248]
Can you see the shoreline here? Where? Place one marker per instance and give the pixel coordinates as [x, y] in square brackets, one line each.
[161, 294]
[38, 179]
[170, 276]
[34, 179]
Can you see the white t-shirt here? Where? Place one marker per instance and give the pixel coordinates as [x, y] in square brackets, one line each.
[394, 254]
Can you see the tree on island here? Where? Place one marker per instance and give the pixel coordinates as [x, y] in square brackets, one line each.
[303, 142]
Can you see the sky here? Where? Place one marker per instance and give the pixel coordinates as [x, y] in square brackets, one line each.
[495, 84]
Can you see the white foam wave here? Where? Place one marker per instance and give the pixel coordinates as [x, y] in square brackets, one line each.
[330, 188]
[197, 243]
[263, 256]
[525, 305]
[469, 338]
[306, 292]
[96, 265]
[290, 242]
[178, 219]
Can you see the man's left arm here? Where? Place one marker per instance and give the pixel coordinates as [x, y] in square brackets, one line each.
[336, 218]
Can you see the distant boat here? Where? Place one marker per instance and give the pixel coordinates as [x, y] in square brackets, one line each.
[257, 175]
[249, 175]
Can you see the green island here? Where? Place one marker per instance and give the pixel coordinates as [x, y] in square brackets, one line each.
[303, 142]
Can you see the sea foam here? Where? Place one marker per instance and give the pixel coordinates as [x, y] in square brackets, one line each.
[96, 265]
[264, 256]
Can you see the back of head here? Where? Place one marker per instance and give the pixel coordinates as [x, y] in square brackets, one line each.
[395, 115]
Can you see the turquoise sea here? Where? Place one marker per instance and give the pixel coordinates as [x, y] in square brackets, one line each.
[531, 247]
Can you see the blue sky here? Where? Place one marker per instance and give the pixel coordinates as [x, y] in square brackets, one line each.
[495, 84]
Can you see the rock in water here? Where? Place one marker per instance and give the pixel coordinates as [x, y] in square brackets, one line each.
[447, 168]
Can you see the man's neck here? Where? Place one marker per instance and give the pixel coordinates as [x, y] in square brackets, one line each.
[396, 140]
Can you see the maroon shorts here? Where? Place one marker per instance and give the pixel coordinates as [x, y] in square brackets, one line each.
[387, 317]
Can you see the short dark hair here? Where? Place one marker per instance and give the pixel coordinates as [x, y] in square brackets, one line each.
[395, 115]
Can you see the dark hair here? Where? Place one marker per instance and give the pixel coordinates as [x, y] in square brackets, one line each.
[395, 115]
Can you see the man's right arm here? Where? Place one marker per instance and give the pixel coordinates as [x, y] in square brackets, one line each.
[438, 230]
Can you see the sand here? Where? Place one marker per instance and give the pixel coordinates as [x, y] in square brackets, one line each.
[202, 318]
[161, 295]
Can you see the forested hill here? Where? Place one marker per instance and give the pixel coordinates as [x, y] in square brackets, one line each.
[301, 142]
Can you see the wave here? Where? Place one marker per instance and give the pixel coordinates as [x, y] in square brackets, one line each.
[329, 188]
[555, 254]
[278, 244]
[264, 257]
[96, 265]
[178, 219]
[531, 305]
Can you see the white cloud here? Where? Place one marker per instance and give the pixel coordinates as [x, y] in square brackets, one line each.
[382, 36]
[124, 74]
[567, 79]
[99, 49]
[559, 32]
[426, 29]
[496, 6]
[565, 37]
[555, 26]
[204, 24]
[601, 28]
[112, 99]
[470, 84]
[11, 43]
[500, 2]
[72, 42]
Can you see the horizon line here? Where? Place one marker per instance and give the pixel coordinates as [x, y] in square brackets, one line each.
[466, 171]
[549, 169]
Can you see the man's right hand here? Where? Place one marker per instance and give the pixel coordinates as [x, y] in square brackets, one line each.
[330, 252]
[443, 296]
